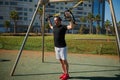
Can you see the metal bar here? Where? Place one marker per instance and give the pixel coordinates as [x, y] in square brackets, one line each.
[115, 25]
[78, 3]
[43, 28]
[24, 41]
[62, 0]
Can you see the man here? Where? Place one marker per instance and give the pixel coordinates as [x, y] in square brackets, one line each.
[59, 31]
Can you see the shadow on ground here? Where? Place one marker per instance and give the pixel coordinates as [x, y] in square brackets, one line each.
[96, 78]
[4, 60]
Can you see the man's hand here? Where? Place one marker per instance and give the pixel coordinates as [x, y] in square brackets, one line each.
[48, 17]
[49, 21]
[69, 16]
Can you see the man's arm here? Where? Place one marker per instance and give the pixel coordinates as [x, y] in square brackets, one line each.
[50, 24]
[71, 25]
[69, 16]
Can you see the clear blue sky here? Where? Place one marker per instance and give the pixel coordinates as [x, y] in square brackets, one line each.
[116, 4]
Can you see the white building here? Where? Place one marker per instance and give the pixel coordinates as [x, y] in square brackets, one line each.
[26, 8]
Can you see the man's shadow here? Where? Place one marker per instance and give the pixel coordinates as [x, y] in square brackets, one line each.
[117, 77]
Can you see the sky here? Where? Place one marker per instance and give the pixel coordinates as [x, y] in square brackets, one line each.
[116, 5]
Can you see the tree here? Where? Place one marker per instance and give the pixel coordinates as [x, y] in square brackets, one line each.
[112, 29]
[107, 26]
[90, 18]
[14, 15]
[40, 12]
[7, 24]
[98, 28]
[82, 27]
[98, 19]
[47, 27]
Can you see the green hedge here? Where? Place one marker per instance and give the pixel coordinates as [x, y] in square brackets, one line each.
[94, 44]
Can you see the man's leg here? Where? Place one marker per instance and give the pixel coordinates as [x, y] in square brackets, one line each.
[63, 59]
[65, 66]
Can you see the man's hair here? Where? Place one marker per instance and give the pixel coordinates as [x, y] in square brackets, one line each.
[58, 18]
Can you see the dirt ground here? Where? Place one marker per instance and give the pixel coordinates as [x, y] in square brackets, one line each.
[29, 52]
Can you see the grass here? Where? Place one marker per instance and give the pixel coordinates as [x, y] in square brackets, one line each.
[76, 43]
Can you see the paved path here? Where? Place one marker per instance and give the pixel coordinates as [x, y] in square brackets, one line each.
[82, 66]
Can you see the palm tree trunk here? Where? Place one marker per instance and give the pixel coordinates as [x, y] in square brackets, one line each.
[107, 32]
[14, 27]
[90, 28]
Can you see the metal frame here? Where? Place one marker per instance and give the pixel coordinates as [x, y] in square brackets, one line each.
[43, 24]
[24, 41]
[115, 26]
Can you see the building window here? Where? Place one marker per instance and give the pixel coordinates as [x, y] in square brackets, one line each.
[19, 0]
[30, 0]
[1, 2]
[30, 9]
[52, 6]
[1, 17]
[25, 14]
[25, 18]
[80, 8]
[61, 7]
[6, 3]
[20, 13]
[19, 8]
[66, 8]
[85, 13]
[85, 5]
[13, 3]
[79, 12]
[81, 5]
[89, 5]
[57, 8]
[35, 5]
[25, 9]
[20, 18]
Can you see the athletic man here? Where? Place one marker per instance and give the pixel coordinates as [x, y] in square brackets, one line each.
[59, 31]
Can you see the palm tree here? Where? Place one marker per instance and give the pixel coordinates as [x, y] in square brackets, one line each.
[40, 12]
[107, 26]
[112, 29]
[7, 24]
[82, 27]
[90, 18]
[14, 15]
[97, 19]
[98, 28]
[47, 27]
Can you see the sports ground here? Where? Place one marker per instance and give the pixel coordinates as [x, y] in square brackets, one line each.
[81, 66]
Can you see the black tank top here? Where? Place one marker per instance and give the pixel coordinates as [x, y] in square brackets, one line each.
[59, 35]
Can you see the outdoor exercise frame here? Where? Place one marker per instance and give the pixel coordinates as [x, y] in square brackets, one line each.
[43, 3]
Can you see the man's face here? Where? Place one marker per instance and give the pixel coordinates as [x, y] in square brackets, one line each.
[57, 21]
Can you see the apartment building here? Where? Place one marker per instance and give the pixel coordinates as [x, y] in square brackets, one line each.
[26, 8]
